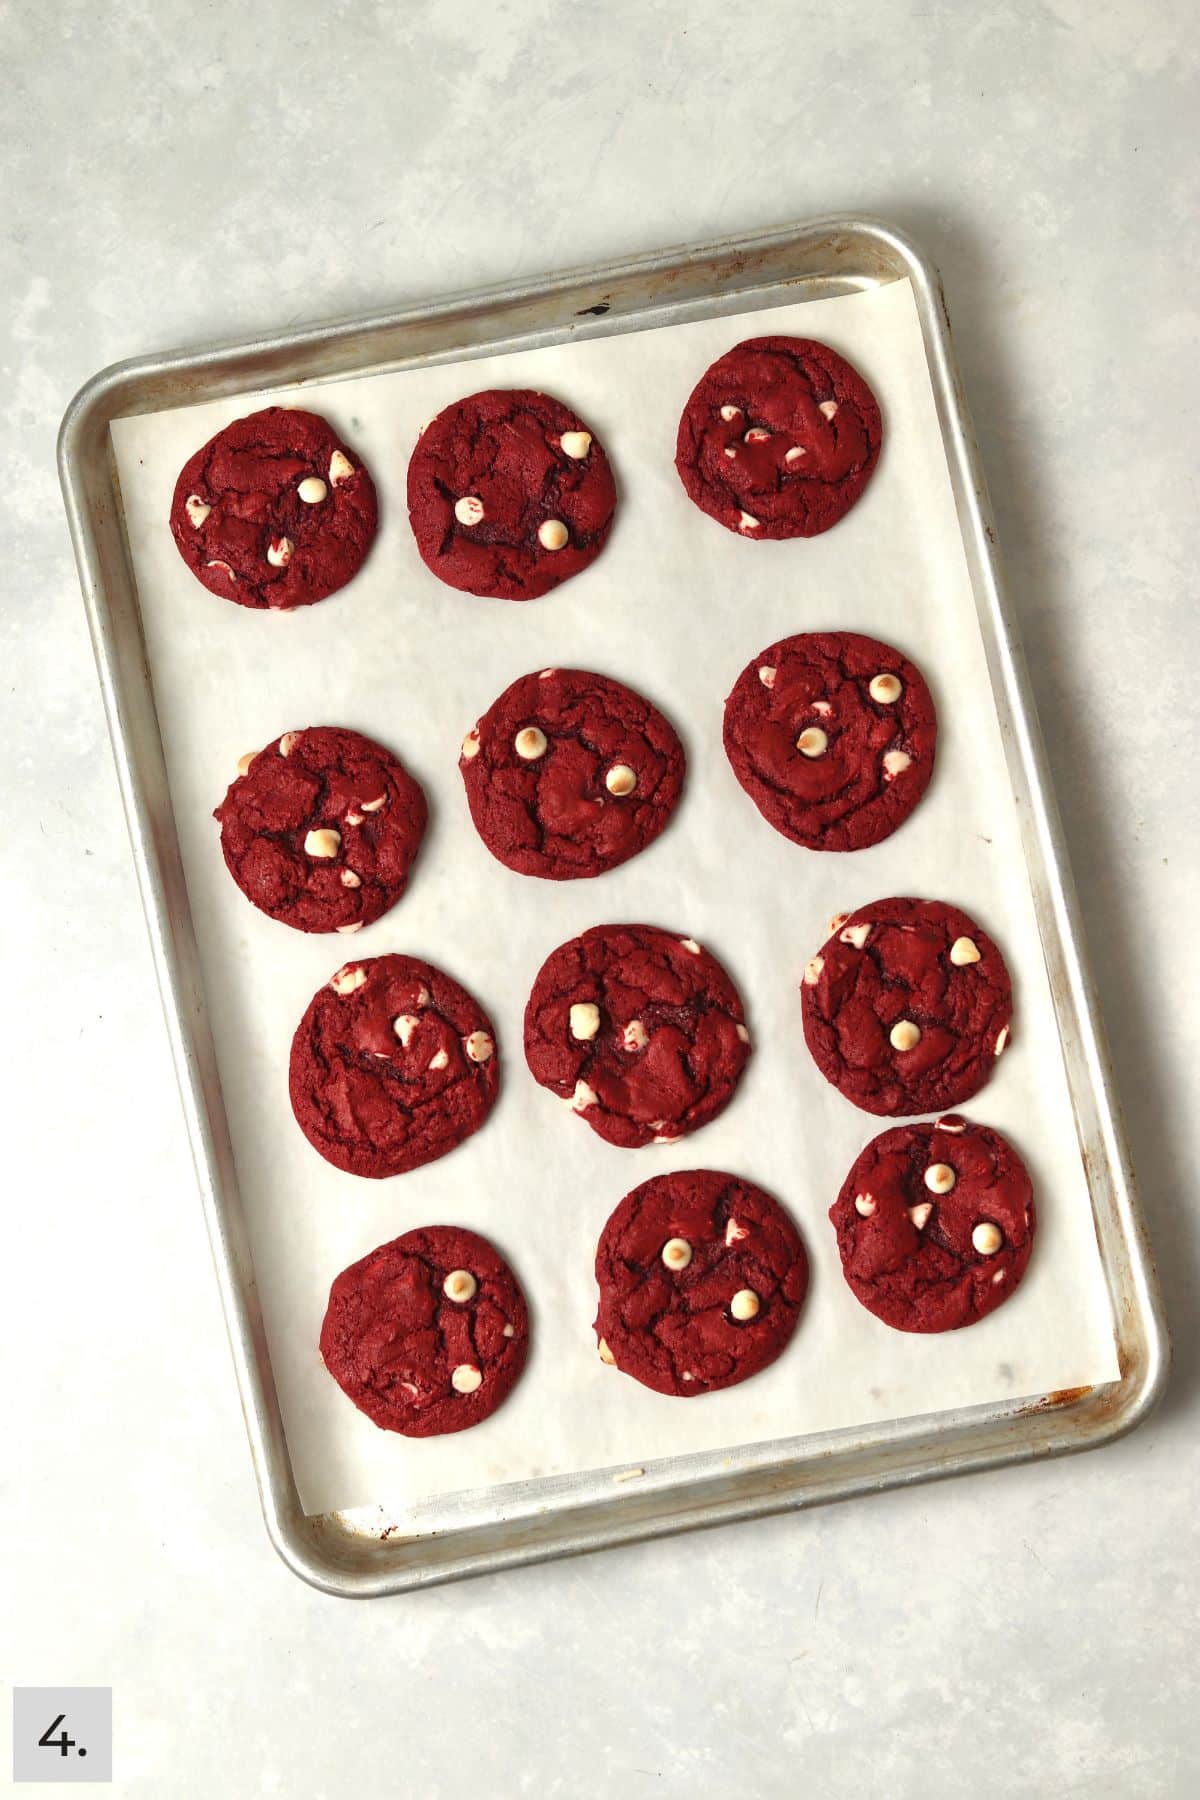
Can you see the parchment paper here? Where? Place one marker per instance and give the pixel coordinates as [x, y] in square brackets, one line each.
[675, 606]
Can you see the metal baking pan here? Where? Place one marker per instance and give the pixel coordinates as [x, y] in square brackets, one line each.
[351, 1554]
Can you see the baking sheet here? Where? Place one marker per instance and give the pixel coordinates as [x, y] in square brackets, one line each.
[676, 607]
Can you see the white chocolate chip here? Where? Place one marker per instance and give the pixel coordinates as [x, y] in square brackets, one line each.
[340, 468]
[546, 674]
[894, 763]
[585, 1020]
[575, 444]
[465, 1379]
[620, 780]
[747, 522]
[864, 1205]
[951, 1123]
[987, 1238]
[855, 934]
[734, 1233]
[904, 1035]
[354, 818]
[837, 921]
[288, 742]
[355, 925]
[478, 1046]
[690, 945]
[460, 1286]
[940, 1178]
[216, 563]
[375, 805]
[405, 1027]
[470, 744]
[766, 675]
[530, 743]
[998, 1276]
[885, 688]
[812, 971]
[348, 978]
[279, 552]
[920, 1214]
[196, 510]
[439, 1059]
[583, 1097]
[794, 454]
[552, 534]
[424, 998]
[324, 843]
[635, 1036]
[812, 742]
[312, 490]
[745, 1304]
[606, 1355]
[730, 413]
[469, 510]
[246, 762]
[731, 450]
[509, 1331]
[743, 1033]
[1001, 1040]
[823, 709]
[828, 407]
[666, 1137]
[756, 435]
[677, 1253]
[963, 951]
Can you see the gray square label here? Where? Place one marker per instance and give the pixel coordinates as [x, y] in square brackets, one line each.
[62, 1734]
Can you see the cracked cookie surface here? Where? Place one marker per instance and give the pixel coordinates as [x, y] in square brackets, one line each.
[935, 1224]
[509, 494]
[427, 1334]
[833, 736]
[275, 511]
[779, 438]
[569, 774]
[392, 1065]
[701, 1277]
[322, 829]
[906, 1006]
[641, 1032]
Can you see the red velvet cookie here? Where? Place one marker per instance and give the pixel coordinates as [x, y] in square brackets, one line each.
[275, 511]
[779, 438]
[427, 1334]
[392, 1065]
[321, 828]
[701, 1278]
[639, 1031]
[569, 774]
[906, 1006]
[832, 735]
[509, 494]
[935, 1224]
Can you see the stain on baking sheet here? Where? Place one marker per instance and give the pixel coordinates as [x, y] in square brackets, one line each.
[1060, 1397]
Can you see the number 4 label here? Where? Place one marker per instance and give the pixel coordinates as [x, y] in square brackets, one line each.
[62, 1744]
[62, 1734]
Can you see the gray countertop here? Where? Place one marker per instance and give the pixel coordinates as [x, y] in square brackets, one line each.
[176, 173]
